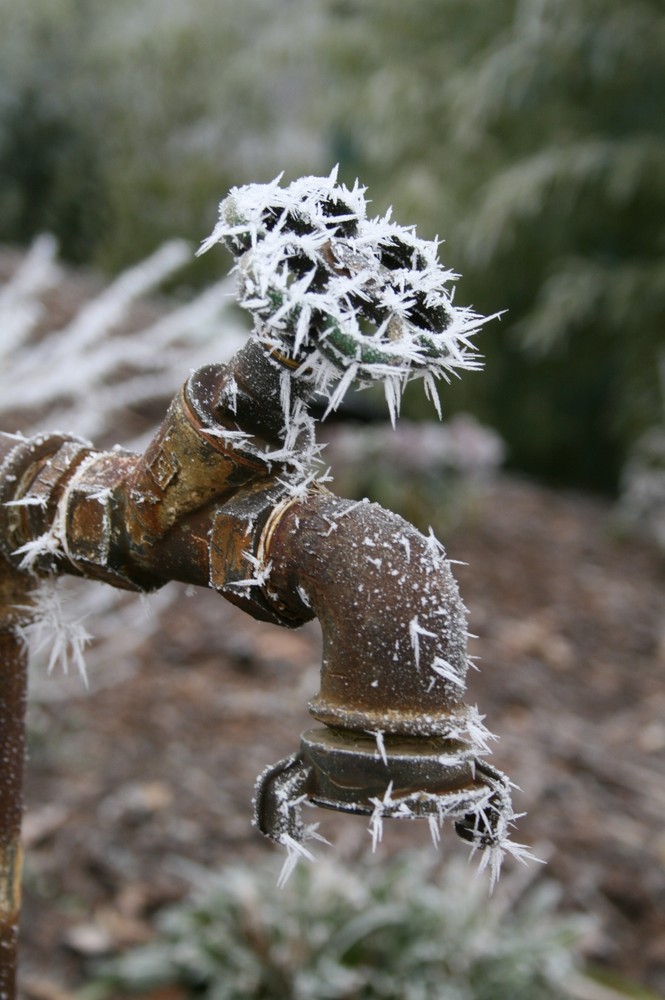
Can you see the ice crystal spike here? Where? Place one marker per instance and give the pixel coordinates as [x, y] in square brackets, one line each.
[350, 299]
[56, 628]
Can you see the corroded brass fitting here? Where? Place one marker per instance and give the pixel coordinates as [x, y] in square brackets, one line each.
[137, 521]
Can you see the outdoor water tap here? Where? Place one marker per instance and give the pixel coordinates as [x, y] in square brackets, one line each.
[341, 299]
[224, 497]
[207, 505]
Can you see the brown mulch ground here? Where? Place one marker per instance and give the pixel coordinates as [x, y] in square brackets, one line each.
[124, 781]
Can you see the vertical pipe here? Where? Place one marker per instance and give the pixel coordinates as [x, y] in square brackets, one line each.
[13, 691]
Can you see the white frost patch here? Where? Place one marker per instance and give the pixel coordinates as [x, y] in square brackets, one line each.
[493, 817]
[415, 631]
[298, 488]
[230, 437]
[333, 527]
[261, 572]
[295, 852]
[353, 506]
[313, 270]
[53, 627]
[26, 501]
[435, 547]
[492, 857]
[447, 671]
[478, 732]
[380, 742]
[404, 541]
[376, 819]
[48, 544]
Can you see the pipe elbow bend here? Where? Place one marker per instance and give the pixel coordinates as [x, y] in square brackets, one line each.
[393, 623]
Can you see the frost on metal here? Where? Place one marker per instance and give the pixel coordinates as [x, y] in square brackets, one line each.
[483, 815]
[345, 298]
[290, 796]
[50, 626]
[410, 643]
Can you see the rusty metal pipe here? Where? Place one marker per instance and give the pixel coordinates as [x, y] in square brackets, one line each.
[13, 685]
[393, 623]
[14, 591]
[111, 511]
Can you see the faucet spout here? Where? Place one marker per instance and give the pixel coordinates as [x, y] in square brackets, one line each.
[397, 739]
[393, 623]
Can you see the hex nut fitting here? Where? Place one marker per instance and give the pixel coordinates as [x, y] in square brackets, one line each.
[237, 554]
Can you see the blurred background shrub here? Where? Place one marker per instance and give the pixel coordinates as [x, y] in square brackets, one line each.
[434, 474]
[404, 929]
[528, 133]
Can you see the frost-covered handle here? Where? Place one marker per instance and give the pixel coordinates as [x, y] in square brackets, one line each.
[343, 297]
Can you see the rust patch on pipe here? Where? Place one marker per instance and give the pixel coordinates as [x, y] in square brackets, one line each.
[13, 687]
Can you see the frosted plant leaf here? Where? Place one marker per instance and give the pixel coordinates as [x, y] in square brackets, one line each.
[20, 299]
[87, 397]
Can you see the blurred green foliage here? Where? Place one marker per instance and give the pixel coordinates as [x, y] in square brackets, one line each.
[123, 124]
[370, 931]
[529, 133]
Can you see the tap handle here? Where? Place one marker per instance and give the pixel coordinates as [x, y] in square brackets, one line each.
[342, 298]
